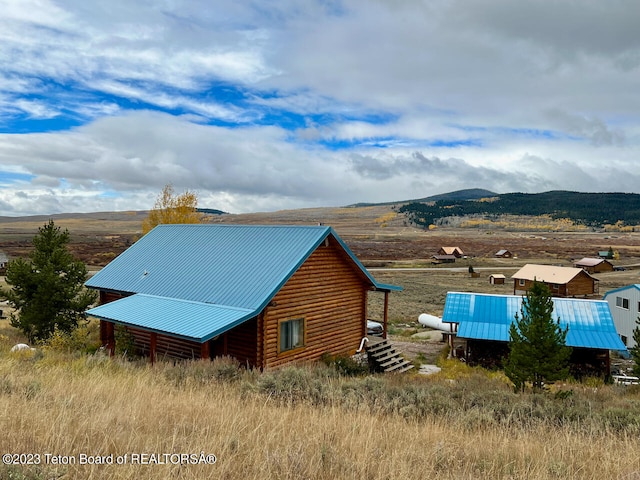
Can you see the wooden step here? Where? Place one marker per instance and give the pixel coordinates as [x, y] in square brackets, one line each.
[406, 368]
[379, 346]
[387, 358]
[391, 361]
[386, 355]
[399, 366]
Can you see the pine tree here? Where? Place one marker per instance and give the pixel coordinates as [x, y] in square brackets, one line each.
[537, 345]
[47, 289]
[635, 351]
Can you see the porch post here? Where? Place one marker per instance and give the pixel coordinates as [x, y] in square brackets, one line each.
[386, 314]
[153, 342]
[204, 350]
[110, 337]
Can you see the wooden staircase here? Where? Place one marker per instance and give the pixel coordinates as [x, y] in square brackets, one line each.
[383, 357]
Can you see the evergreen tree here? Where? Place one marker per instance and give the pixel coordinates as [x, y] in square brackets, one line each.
[537, 344]
[635, 351]
[47, 289]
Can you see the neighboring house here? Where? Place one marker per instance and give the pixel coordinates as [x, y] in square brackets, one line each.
[605, 254]
[625, 309]
[483, 320]
[504, 254]
[443, 258]
[4, 260]
[455, 251]
[265, 295]
[594, 265]
[562, 281]
[497, 279]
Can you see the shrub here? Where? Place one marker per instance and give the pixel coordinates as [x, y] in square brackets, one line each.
[84, 339]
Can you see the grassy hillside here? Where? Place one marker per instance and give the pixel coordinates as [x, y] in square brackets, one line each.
[305, 422]
[591, 209]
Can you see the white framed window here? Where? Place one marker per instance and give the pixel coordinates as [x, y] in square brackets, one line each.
[521, 282]
[622, 302]
[290, 334]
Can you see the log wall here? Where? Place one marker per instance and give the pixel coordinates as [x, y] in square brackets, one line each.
[330, 295]
[581, 285]
[166, 346]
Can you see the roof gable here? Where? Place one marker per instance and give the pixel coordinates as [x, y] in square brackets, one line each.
[451, 250]
[488, 317]
[548, 273]
[590, 262]
[635, 286]
[240, 266]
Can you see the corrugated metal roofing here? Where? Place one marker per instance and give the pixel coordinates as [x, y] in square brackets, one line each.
[227, 266]
[190, 320]
[488, 317]
[547, 273]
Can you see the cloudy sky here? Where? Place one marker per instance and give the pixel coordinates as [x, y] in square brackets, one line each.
[260, 105]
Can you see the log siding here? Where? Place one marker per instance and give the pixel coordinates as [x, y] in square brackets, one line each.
[581, 285]
[331, 297]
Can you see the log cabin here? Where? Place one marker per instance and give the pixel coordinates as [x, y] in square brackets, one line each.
[455, 251]
[265, 295]
[482, 322]
[594, 265]
[562, 281]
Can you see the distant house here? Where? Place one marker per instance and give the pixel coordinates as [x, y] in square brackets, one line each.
[504, 254]
[497, 279]
[625, 309]
[608, 254]
[455, 251]
[562, 281]
[265, 295]
[4, 260]
[594, 265]
[483, 322]
[443, 258]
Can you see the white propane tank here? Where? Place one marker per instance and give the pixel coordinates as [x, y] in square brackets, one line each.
[434, 322]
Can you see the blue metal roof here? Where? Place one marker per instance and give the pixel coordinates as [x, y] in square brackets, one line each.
[190, 320]
[488, 317]
[228, 266]
[627, 287]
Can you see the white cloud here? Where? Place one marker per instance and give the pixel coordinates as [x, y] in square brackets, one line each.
[309, 103]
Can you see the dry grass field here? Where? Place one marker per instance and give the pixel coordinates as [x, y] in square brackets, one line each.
[302, 423]
[313, 422]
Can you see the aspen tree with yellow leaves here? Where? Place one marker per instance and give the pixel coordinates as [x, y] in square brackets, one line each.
[171, 208]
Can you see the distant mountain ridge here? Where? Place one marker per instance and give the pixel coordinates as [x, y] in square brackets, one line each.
[466, 194]
[590, 209]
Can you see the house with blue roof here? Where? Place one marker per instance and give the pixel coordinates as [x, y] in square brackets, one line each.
[266, 295]
[483, 322]
[624, 303]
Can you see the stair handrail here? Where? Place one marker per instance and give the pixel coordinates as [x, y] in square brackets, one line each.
[362, 342]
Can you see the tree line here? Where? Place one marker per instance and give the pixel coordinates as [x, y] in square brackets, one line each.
[590, 209]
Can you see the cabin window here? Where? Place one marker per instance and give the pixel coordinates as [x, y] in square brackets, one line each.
[555, 286]
[521, 282]
[622, 303]
[291, 334]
